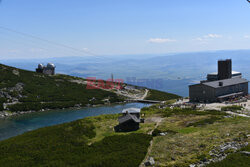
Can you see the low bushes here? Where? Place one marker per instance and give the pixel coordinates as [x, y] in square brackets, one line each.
[206, 121]
[67, 145]
[2, 100]
[1, 106]
[231, 108]
[187, 111]
[36, 106]
[161, 96]
[55, 91]
[167, 112]
[156, 132]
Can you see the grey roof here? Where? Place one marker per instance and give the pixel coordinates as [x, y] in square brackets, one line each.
[128, 117]
[226, 82]
[131, 110]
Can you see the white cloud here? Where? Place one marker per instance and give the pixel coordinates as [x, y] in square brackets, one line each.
[85, 49]
[161, 40]
[199, 39]
[247, 36]
[14, 51]
[212, 36]
[36, 50]
[208, 37]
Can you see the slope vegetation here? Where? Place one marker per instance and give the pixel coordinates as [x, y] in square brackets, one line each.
[69, 145]
[22, 90]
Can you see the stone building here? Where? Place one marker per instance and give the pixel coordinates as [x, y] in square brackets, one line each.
[221, 86]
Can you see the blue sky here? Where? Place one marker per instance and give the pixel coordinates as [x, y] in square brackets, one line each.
[118, 27]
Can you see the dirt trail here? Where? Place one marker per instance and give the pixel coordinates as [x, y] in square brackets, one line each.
[145, 95]
[158, 120]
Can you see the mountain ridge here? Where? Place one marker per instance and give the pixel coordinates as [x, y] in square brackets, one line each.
[25, 91]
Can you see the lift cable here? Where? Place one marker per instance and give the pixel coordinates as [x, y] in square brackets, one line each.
[50, 42]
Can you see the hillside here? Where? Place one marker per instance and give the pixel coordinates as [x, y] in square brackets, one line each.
[22, 90]
[179, 137]
[161, 96]
[69, 145]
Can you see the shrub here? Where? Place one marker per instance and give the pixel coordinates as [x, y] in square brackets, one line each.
[161, 96]
[2, 100]
[1, 107]
[206, 121]
[56, 90]
[156, 132]
[231, 108]
[187, 111]
[67, 145]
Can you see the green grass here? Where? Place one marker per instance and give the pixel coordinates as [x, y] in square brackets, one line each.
[206, 121]
[92, 141]
[187, 111]
[187, 130]
[68, 145]
[191, 144]
[56, 92]
[161, 96]
[231, 108]
[194, 134]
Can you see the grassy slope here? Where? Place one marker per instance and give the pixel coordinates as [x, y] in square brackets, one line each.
[69, 145]
[192, 134]
[161, 96]
[53, 91]
[92, 141]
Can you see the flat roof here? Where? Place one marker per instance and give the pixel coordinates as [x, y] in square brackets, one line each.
[216, 73]
[226, 82]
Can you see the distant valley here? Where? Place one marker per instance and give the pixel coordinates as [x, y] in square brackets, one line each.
[167, 72]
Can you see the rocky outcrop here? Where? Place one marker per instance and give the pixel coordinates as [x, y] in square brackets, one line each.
[220, 152]
[150, 162]
[12, 96]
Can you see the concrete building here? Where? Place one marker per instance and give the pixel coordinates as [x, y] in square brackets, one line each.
[214, 76]
[221, 86]
[49, 69]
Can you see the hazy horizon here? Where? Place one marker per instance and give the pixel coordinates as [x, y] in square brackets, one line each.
[172, 72]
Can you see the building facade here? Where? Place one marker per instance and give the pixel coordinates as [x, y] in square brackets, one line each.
[221, 86]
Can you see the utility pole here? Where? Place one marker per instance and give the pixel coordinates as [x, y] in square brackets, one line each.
[112, 77]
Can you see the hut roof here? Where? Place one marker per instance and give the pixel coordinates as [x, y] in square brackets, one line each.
[127, 118]
[131, 110]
